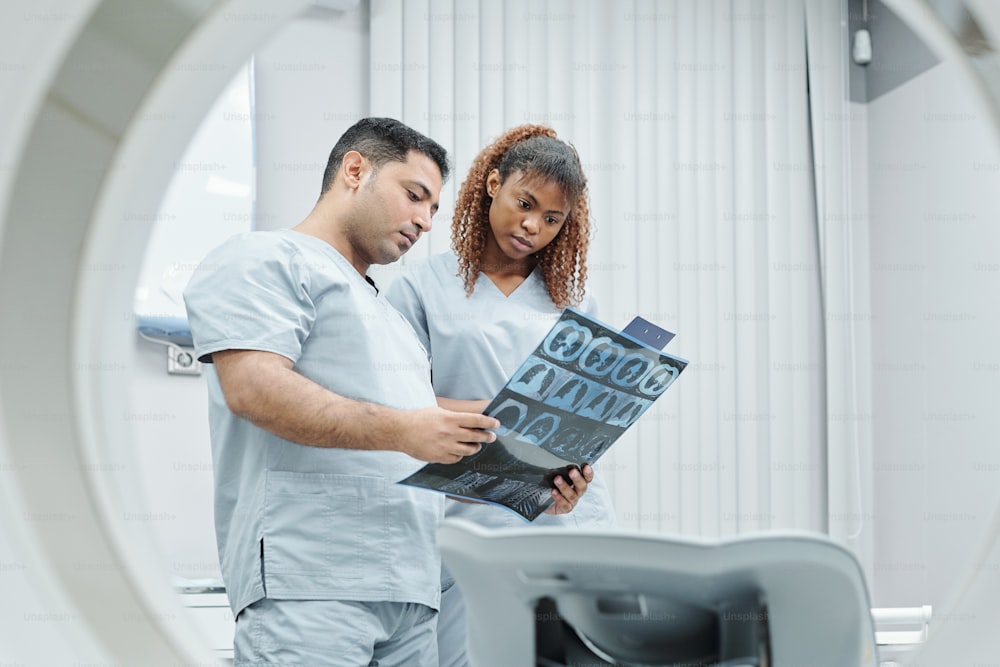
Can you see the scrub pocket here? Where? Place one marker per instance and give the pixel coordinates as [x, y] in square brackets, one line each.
[321, 525]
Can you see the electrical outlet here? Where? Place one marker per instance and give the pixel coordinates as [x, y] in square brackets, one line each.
[181, 361]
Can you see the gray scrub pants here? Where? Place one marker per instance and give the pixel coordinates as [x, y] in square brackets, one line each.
[451, 633]
[312, 633]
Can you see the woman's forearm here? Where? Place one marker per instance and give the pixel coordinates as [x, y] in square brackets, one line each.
[461, 405]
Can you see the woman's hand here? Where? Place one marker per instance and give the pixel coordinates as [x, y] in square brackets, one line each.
[567, 495]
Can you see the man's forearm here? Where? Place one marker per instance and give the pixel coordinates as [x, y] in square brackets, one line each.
[264, 388]
[269, 393]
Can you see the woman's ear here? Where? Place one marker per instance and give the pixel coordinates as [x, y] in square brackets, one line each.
[493, 183]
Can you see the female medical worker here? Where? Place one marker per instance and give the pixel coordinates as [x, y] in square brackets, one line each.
[519, 237]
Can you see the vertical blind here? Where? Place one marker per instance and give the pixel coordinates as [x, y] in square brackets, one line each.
[693, 123]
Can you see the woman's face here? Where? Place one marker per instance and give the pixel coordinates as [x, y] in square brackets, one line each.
[526, 213]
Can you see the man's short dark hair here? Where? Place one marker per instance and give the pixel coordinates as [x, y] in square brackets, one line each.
[382, 140]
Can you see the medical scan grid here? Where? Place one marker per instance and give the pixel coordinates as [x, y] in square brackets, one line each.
[581, 388]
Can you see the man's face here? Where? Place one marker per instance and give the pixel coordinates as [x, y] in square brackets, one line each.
[393, 207]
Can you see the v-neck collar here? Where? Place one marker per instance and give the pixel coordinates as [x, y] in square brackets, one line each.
[339, 258]
[521, 286]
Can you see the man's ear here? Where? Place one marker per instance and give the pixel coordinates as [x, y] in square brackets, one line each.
[493, 183]
[353, 168]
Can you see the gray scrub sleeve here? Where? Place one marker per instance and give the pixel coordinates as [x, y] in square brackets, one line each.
[247, 296]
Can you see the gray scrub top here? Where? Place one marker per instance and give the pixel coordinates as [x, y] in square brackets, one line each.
[297, 522]
[476, 343]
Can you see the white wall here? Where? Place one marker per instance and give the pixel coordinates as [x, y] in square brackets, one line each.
[935, 258]
[311, 85]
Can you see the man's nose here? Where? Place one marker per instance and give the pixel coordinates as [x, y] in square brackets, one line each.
[424, 221]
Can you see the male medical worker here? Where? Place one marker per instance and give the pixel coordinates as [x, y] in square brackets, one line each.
[320, 400]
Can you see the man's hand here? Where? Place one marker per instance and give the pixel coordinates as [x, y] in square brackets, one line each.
[568, 495]
[437, 435]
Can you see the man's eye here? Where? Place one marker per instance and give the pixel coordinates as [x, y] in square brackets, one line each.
[523, 203]
[413, 195]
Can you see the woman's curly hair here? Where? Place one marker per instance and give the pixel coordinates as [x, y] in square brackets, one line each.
[537, 152]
